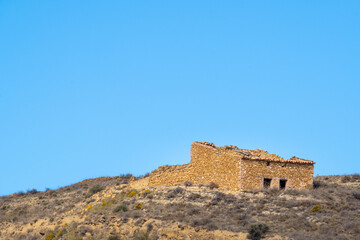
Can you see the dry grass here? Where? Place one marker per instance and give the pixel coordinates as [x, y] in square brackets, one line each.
[329, 211]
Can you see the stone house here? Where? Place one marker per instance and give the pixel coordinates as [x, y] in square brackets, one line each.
[236, 169]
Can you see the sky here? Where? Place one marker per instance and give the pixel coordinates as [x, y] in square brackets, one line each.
[103, 88]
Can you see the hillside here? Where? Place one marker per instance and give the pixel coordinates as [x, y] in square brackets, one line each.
[117, 208]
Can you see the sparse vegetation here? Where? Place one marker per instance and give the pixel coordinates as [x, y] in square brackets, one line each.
[213, 185]
[143, 176]
[125, 176]
[257, 231]
[356, 195]
[316, 208]
[188, 183]
[145, 192]
[175, 192]
[95, 189]
[317, 184]
[50, 236]
[330, 209]
[121, 207]
[32, 191]
[112, 237]
[141, 236]
[178, 190]
[132, 193]
[59, 233]
[350, 178]
[194, 196]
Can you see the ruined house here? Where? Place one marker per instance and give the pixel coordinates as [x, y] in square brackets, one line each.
[236, 169]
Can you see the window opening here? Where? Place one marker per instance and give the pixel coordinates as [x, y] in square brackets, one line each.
[267, 183]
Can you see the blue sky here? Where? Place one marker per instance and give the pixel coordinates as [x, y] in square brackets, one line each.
[100, 88]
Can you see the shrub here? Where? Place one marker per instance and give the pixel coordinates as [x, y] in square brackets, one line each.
[188, 183]
[211, 227]
[257, 231]
[174, 192]
[194, 196]
[138, 206]
[213, 185]
[141, 236]
[21, 193]
[178, 190]
[145, 191]
[103, 203]
[171, 194]
[112, 237]
[89, 207]
[218, 197]
[59, 233]
[50, 236]
[96, 189]
[201, 221]
[144, 176]
[356, 195]
[149, 227]
[318, 184]
[193, 211]
[356, 177]
[126, 176]
[316, 208]
[32, 191]
[132, 193]
[215, 201]
[229, 198]
[345, 179]
[121, 208]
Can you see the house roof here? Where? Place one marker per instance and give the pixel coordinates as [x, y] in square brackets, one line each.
[257, 154]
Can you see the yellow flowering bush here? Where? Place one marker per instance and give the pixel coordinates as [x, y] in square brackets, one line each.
[316, 208]
[59, 233]
[132, 193]
[146, 191]
[50, 236]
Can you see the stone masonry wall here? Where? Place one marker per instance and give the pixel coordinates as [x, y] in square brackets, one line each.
[218, 165]
[170, 175]
[229, 169]
[299, 176]
[208, 164]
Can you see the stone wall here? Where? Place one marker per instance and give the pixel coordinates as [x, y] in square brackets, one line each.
[230, 168]
[214, 164]
[170, 175]
[253, 172]
[208, 164]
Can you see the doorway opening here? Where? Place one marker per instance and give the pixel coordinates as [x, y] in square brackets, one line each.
[283, 183]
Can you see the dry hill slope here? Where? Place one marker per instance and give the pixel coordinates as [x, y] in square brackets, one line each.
[111, 208]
